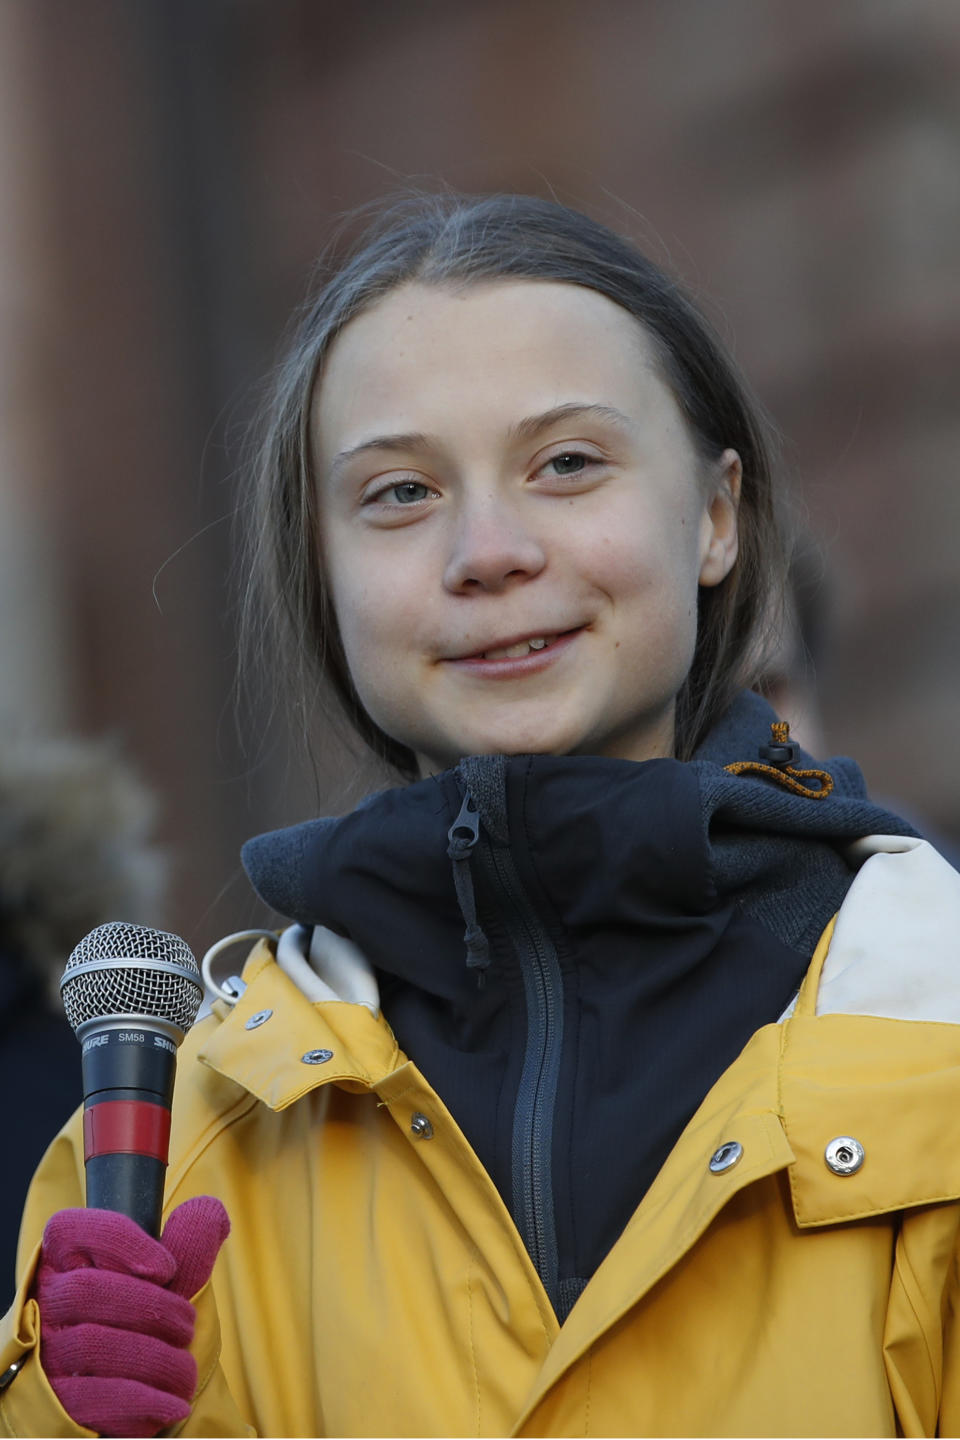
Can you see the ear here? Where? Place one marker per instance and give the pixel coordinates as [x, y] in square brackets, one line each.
[718, 527]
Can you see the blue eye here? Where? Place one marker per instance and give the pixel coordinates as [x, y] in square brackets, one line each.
[409, 491]
[569, 463]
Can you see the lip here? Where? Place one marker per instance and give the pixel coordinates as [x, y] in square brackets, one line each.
[508, 669]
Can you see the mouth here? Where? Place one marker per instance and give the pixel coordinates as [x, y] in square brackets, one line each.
[517, 651]
[520, 648]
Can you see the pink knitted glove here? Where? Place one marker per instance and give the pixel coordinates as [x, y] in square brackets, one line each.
[115, 1315]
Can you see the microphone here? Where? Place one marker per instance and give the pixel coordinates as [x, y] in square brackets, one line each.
[130, 994]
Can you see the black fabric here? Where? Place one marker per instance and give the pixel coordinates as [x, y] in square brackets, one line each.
[40, 1075]
[683, 903]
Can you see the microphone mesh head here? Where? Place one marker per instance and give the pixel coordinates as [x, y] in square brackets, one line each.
[138, 971]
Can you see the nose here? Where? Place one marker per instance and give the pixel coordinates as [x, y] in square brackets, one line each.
[491, 549]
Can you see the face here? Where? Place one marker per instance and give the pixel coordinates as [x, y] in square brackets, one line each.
[515, 522]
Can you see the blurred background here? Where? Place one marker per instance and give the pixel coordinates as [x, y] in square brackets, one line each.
[170, 168]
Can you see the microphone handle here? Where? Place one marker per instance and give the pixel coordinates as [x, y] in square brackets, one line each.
[129, 1184]
[129, 1066]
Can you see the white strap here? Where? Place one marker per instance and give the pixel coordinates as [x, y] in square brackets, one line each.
[325, 966]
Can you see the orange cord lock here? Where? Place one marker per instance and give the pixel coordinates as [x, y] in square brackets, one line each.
[775, 764]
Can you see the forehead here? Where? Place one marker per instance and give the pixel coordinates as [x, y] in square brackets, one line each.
[425, 354]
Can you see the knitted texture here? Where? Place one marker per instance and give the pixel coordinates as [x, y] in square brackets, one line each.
[116, 1319]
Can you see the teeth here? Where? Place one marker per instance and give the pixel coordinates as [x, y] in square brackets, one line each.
[516, 652]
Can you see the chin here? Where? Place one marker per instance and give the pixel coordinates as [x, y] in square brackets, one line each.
[433, 760]
[530, 742]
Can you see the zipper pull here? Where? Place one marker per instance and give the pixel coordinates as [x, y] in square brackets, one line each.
[465, 830]
[461, 838]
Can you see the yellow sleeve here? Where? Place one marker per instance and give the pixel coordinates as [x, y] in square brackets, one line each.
[949, 1421]
[28, 1405]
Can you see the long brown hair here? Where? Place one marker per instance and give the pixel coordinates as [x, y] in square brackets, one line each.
[444, 238]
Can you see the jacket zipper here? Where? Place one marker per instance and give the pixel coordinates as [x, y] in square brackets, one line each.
[532, 1138]
[532, 1152]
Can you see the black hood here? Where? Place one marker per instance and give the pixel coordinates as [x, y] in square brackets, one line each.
[608, 838]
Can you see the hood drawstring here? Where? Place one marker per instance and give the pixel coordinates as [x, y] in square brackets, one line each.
[778, 756]
[461, 838]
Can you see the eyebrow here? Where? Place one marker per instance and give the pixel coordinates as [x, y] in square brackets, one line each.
[534, 424]
[525, 429]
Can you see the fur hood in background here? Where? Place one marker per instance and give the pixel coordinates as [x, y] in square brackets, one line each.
[75, 850]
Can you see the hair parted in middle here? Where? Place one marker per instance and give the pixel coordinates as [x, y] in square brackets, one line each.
[456, 240]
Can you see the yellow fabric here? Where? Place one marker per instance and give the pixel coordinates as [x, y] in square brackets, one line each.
[374, 1283]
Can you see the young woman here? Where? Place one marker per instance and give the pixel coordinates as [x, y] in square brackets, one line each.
[604, 1080]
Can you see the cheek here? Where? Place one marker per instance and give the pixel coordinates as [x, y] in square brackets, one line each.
[653, 585]
[359, 610]
[371, 656]
[365, 620]
[379, 610]
[649, 536]
[383, 586]
[655, 569]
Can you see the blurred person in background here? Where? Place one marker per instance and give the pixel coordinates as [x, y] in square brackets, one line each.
[790, 666]
[604, 1080]
[788, 673]
[75, 851]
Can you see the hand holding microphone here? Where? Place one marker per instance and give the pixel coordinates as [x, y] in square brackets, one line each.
[114, 1300]
[116, 1318]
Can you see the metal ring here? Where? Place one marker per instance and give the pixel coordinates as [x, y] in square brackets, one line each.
[232, 995]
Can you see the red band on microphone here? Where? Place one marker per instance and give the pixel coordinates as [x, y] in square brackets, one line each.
[133, 1127]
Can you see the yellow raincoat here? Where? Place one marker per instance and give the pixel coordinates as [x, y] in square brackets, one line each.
[375, 1284]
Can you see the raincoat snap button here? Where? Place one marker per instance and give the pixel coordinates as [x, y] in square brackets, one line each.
[317, 1057]
[261, 1018]
[844, 1155]
[421, 1127]
[725, 1157]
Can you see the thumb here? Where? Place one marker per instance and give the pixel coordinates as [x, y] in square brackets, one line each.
[193, 1235]
[103, 1240]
